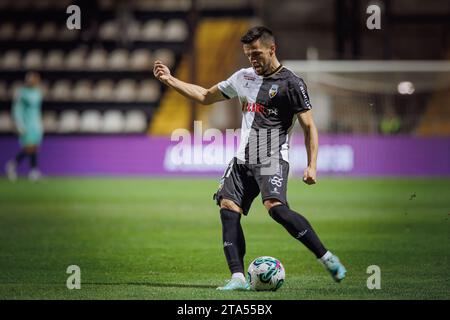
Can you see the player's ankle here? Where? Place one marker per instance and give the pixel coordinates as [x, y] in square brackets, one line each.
[326, 256]
[238, 275]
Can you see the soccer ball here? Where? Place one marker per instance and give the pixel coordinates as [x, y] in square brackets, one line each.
[265, 274]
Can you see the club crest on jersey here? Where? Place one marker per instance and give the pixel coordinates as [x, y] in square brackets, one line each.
[273, 91]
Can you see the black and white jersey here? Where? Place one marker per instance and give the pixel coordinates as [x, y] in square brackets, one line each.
[270, 105]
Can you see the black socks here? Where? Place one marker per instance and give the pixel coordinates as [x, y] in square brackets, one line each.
[298, 227]
[233, 240]
[33, 160]
[20, 156]
[294, 223]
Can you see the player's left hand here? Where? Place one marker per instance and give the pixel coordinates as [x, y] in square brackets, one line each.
[309, 175]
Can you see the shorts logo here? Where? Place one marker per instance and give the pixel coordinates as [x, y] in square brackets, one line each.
[276, 181]
[273, 91]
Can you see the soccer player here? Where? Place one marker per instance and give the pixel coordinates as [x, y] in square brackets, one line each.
[26, 113]
[272, 97]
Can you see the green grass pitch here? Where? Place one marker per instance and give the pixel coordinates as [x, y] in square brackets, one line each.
[161, 239]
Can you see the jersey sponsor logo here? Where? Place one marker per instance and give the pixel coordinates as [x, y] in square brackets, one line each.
[273, 91]
[305, 96]
[247, 77]
[253, 107]
[258, 108]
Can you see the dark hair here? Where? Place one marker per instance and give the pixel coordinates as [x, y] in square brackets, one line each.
[255, 33]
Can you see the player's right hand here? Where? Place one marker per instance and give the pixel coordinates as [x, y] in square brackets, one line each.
[309, 175]
[161, 71]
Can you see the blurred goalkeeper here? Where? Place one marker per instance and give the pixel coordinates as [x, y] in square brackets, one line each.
[272, 98]
[26, 114]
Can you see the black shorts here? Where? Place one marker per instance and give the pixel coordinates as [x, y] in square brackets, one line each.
[242, 183]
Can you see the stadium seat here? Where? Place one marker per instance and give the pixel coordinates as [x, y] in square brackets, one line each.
[103, 90]
[7, 31]
[49, 121]
[97, 59]
[135, 121]
[33, 59]
[118, 59]
[26, 31]
[6, 124]
[76, 59]
[166, 56]
[175, 30]
[69, 121]
[113, 121]
[61, 91]
[82, 91]
[133, 30]
[152, 30]
[173, 5]
[11, 60]
[125, 90]
[141, 59]
[48, 31]
[108, 30]
[106, 4]
[54, 60]
[149, 90]
[90, 121]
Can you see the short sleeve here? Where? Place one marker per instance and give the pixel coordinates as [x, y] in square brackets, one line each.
[298, 96]
[229, 87]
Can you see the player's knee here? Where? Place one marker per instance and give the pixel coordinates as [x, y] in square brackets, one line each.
[271, 203]
[30, 149]
[279, 213]
[230, 205]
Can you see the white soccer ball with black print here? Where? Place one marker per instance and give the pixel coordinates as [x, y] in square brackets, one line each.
[266, 274]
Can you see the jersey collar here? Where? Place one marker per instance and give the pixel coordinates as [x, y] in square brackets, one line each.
[274, 71]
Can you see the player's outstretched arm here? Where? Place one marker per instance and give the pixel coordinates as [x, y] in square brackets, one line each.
[191, 91]
[312, 145]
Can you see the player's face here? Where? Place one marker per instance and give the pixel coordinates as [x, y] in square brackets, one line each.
[32, 79]
[260, 56]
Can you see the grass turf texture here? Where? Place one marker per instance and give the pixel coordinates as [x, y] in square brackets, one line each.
[161, 239]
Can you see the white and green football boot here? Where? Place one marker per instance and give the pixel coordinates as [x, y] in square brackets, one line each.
[335, 267]
[235, 284]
